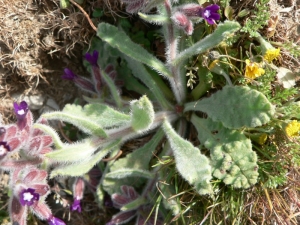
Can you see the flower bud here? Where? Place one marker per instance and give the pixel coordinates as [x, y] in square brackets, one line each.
[183, 22]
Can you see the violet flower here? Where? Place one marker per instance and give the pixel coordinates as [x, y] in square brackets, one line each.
[4, 148]
[55, 221]
[76, 205]
[92, 58]
[21, 110]
[82, 82]
[2, 130]
[128, 195]
[78, 190]
[210, 13]
[68, 74]
[28, 197]
[29, 190]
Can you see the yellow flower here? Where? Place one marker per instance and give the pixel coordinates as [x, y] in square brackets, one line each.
[259, 138]
[253, 70]
[262, 139]
[293, 128]
[271, 54]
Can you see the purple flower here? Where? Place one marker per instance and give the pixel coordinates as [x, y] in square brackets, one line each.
[68, 74]
[92, 58]
[78, 189]
[4, 147]
[28, 197]
[210, 13]
[110, 223]
[76, 205]
[81, 82]
[55, 221]
[2, 130]
[21, 110]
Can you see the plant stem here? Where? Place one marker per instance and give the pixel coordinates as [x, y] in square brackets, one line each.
[171, 54]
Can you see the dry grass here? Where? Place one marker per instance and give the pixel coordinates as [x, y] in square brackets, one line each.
[37, 40]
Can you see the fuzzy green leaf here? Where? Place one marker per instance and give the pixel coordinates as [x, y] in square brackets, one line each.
[84, 166]
[154, 19]
[74, 152]
[92, 118]
[232, 157]
[119, 39]
[191, 164]
[210, 41]
[142, 114]
[128, 172]
[75, 115]
[235, 107]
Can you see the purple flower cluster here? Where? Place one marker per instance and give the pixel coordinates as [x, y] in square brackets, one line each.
[28, 183]
[97, 84]
[30, 189]
[184, 15]
[141, 213]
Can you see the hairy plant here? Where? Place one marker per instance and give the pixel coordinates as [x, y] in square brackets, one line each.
[165, 111]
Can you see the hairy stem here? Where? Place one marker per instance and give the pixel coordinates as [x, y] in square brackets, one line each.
[172, 42]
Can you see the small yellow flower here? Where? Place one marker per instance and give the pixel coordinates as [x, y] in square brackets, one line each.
[262, 138]
[253, 70]
[259, 138]
[293, 128]
[271, 54]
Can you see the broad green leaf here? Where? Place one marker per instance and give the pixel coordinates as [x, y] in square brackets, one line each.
[74, 152]
[82, 167]
[232, 157]
[92, 118]
[128, 172]
[190, 163]
[122, 42]
[142, 114]
[105, 116]
[154, 19]
[210, 41]
[235, 107]
[75, 115]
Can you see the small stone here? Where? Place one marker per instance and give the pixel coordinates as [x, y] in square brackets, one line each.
[35, 102]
